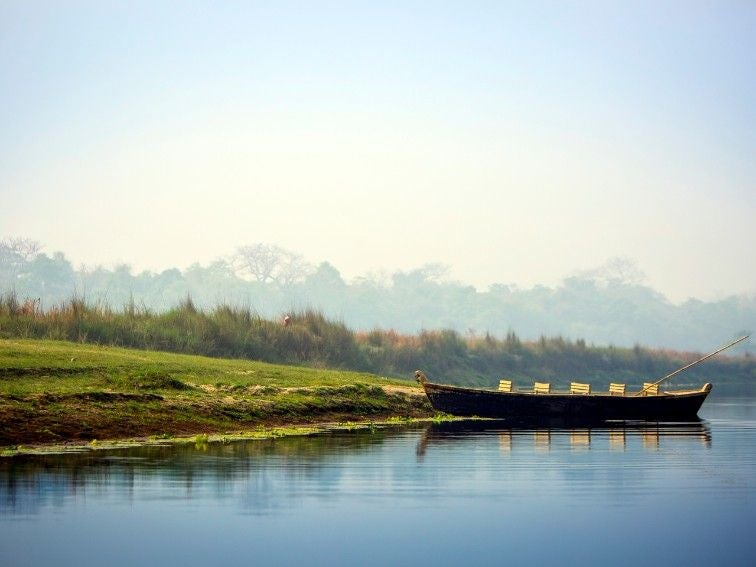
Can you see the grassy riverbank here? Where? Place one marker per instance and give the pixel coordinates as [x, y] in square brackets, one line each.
[55, 391]
[313, 340]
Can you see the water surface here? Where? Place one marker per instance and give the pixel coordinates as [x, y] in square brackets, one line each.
[673, 494]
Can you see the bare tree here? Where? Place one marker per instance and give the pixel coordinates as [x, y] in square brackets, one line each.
[427, 273]
[618, 269]
[293, 268]
[25, 249]
[15, 254]
[257, 260]
[268, 263]
[434, 271]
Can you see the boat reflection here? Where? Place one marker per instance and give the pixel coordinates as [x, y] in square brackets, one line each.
[580, 439]
[541, 438]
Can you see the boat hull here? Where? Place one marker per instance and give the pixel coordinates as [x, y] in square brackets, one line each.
[574, 407]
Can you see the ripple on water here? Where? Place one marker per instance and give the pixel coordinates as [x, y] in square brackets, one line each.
[492, 485]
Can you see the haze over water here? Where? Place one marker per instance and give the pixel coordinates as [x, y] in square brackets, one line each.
[448, 493]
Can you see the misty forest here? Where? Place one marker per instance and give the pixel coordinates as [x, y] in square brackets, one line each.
[606, 306]
[603, 324]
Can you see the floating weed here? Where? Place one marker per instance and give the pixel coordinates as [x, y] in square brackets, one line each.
[399, 419]
[160, 436]
[10, 451]
[439, 417]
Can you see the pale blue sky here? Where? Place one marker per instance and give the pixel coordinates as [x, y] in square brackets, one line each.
[516, 142]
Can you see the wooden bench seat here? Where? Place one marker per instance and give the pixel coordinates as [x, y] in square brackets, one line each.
[580, 388]
[541, 388]
[650, 389]
[616, 389]
[505, 385]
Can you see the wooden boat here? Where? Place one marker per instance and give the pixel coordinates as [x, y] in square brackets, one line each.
[575, 407]
[579, 404]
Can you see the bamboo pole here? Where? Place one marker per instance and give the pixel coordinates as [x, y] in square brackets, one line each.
[668, 376]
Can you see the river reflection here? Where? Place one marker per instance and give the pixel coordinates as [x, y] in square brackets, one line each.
[468, 492]
[615, 436]
[30, 482]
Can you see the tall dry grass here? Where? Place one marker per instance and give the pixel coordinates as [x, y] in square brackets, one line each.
[231, 331]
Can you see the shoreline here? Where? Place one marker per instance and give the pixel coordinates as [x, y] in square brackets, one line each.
[97, 418]
[58, 393]
[92, 418]
[200, 439]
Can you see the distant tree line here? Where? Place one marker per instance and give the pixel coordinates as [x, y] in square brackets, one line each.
[606, 306]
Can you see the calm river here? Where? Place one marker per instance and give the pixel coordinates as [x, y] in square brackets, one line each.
[442, 494]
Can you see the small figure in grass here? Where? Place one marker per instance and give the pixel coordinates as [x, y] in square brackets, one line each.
[286, 321]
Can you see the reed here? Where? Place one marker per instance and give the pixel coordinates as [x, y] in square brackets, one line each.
[226, 331]
[231, 331]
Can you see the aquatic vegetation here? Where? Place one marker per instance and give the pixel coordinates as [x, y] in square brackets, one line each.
[439, 417]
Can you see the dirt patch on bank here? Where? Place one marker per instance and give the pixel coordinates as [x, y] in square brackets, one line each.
[407, 390]
[84, 416]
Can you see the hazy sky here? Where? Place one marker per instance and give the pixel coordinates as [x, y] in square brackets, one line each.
[516, 142]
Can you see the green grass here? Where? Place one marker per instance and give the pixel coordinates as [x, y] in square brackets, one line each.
[57, 366]
[53, 391]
